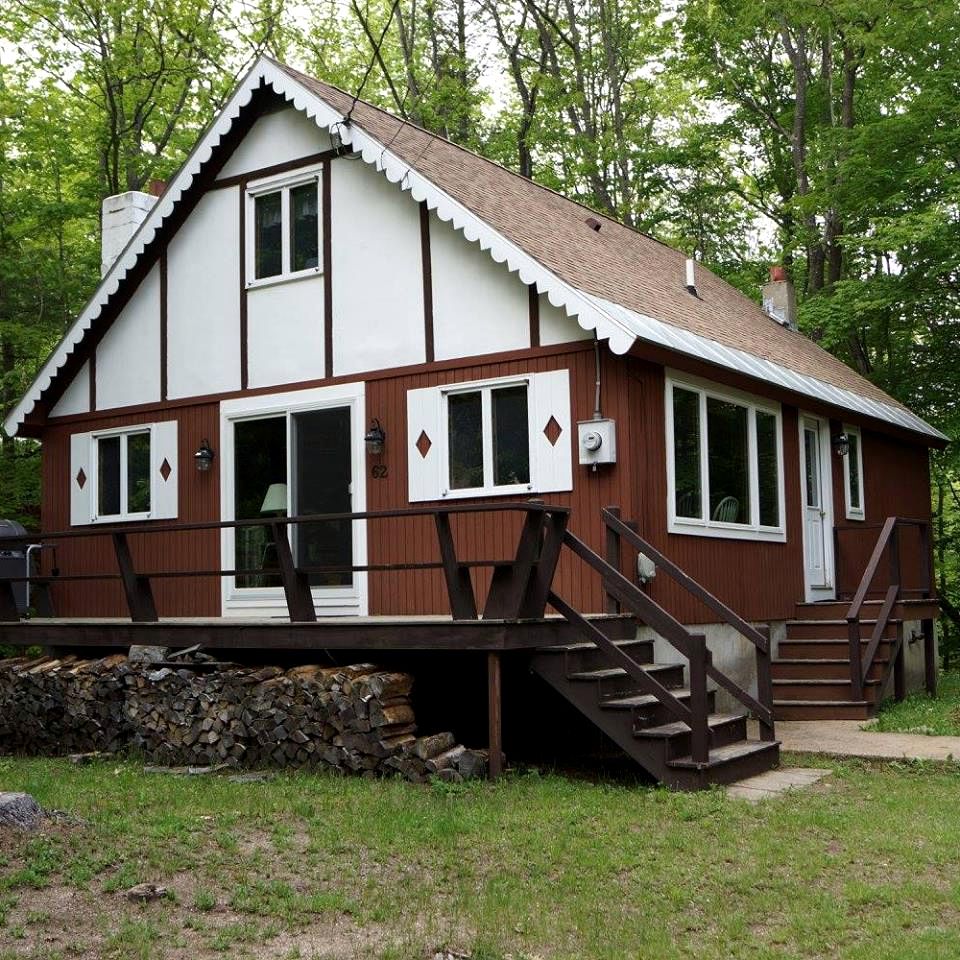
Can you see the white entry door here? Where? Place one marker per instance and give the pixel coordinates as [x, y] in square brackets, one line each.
[817, 507]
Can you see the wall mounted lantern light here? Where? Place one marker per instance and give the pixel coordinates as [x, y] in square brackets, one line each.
[375, 438]
[204, 456]
[841, 444]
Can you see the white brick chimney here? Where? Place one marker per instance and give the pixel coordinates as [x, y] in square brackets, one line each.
[780, 298]
[121, 216]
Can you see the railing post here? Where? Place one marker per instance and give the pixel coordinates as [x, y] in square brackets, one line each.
[541, 583]
[856, 667]
[463, 604]
[495, 714]
[926, 560]
[613, 556]
[699, 703]
[765, 685]
[137, 589]
[296, 584]
[511, 581]
[894, 547]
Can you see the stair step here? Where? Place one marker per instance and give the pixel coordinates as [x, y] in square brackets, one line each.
[587, 645]
[823, 709]
[607, 673]
[827, 668]
[813, 689]
[819, 648]
[678, 727]
[720, 756]
[834, 629]
[635, 700]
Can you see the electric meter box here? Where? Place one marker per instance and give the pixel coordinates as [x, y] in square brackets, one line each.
[598, 441]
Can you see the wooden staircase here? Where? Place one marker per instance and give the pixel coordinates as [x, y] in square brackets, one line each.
[811, 674]
[661, 714]
[640, 724]
[838, 656]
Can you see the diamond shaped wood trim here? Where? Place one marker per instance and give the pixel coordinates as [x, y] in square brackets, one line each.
[165, 470]
[552, 431]
[423, 444]
[81, 479]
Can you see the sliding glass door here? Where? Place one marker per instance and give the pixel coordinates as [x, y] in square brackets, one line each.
[322, 474]
[303, 460]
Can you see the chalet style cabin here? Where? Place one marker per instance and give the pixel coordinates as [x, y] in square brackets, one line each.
[345, 386]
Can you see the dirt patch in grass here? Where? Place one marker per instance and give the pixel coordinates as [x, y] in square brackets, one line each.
[59, 920]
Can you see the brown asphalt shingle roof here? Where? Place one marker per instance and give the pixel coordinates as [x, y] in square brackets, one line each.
[616, 263]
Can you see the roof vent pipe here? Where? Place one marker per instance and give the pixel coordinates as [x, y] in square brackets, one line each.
[691, 277]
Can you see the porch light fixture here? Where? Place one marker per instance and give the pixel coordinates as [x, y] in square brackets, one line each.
[204, 456]
[375, 438]
[841, 444]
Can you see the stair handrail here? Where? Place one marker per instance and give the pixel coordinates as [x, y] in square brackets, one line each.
[860, 665]
[693, 646]
[762, 706]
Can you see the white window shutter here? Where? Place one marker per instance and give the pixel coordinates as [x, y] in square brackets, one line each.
[552, 431]
[423, 444]
[81, 480]
[166, 472]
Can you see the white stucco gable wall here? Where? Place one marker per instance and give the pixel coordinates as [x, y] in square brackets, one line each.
[279, 137]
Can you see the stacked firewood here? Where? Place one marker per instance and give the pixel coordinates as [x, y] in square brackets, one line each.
[51, 705]
[202, 713]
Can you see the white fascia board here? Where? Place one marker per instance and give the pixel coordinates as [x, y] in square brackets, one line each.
[692, 344]
[610, 321]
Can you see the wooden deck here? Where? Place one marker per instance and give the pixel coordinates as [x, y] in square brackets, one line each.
[345, 633]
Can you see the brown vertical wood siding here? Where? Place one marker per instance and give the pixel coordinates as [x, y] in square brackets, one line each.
[198, 500]
[761, 580]
[896, 483]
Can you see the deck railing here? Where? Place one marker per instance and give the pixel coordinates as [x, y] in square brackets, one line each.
[518, 588]
[888, 543]
[521, 587]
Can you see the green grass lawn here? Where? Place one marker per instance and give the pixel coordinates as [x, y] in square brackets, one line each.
[863, 865]
[919, 713]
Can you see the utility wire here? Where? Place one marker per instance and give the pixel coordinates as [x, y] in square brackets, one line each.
[373, 60]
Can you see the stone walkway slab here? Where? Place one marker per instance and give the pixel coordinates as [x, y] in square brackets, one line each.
[845, 738]
[772, 783]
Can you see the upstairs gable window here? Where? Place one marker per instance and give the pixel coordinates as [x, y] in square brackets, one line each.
[284, 237]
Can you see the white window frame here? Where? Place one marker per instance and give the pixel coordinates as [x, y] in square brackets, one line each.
[854, 513]
[281, 184]
[704, 526]
[94, 461]
[485, 388]
[271, 601]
